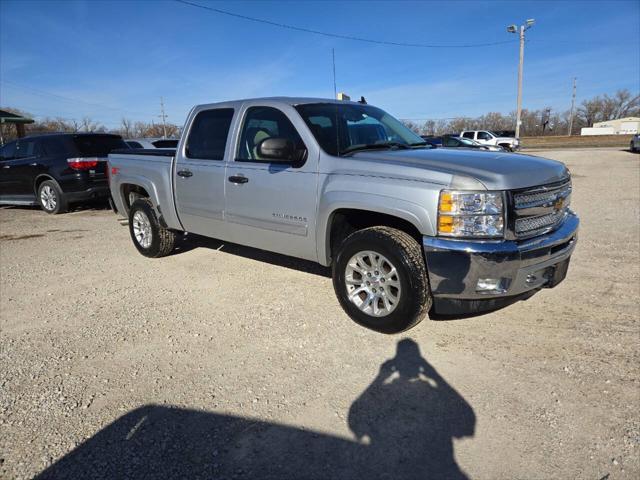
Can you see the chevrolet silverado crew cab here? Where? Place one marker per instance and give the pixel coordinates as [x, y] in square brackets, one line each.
[485, 137]
[407, 229]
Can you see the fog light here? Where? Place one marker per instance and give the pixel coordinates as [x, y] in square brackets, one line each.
[490, 285]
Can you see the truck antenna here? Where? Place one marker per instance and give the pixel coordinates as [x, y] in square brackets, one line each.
[333, 56]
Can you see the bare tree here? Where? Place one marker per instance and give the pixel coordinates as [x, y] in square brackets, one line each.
[126, 128]
[88, 125]
[413, 126]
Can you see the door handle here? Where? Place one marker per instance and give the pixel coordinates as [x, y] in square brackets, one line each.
[6, 166]
[185, 173]
[238, 179]
[33, 164]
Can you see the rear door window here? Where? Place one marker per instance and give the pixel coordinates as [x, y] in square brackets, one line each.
[8, 151]
[27, 148]
[208, 136]
[97, 145]
[468, 135]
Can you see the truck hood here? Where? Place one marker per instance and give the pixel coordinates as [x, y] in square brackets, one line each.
[495, 170]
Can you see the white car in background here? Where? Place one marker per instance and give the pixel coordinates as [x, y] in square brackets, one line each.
[486, 137]
[152, 143]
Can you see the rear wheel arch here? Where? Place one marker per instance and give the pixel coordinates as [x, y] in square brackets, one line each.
[43, 178]
[130, 192]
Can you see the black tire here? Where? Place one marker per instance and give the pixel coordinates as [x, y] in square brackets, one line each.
[506, 146]
[162, 239]
[51, 198]
[405, 254]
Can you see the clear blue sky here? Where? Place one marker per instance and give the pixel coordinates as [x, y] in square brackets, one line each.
[109, 59]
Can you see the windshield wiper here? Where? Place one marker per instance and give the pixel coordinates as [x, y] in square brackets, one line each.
[374, 146]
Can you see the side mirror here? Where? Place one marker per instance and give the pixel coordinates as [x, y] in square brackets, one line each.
[279, 150]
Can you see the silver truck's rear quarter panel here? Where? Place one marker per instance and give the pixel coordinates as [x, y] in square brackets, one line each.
[151, 172]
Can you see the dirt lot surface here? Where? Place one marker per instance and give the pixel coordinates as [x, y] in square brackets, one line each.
[227, 362]
[576, 141]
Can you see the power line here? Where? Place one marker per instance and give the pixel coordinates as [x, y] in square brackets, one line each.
[338, 35]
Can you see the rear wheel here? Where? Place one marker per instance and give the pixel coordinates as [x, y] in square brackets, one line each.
[380, 279]
[51, 198]
[150, 238]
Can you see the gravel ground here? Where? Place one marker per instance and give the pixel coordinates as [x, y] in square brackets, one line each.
[226, 362]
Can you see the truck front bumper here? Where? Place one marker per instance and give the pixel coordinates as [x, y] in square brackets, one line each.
[474, 276]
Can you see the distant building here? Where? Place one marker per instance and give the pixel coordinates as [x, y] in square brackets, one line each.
[619, 126]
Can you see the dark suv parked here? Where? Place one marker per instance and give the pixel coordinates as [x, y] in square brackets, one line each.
[55, 170]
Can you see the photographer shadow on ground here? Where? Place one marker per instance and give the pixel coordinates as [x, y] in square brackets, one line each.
[404, 424]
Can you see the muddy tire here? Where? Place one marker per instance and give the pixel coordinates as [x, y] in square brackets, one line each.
[150, 238]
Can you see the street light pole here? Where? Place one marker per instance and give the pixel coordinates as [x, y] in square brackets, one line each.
[513, 29]
[520, 67]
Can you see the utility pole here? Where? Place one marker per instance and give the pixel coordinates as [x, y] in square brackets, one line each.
[573, 104]
[514, 29]
[163, 116]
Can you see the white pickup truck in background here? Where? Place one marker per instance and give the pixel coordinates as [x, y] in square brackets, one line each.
[485, 137]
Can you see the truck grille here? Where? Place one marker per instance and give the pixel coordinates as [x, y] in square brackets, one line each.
[541, 209]
[527, 225]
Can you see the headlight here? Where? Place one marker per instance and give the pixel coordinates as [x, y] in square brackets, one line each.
[471, 214]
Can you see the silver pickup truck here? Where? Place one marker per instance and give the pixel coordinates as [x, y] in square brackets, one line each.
[406, 229]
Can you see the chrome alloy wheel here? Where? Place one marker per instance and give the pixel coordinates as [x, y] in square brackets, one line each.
[373, 284]
[48, 197]
[142, 229]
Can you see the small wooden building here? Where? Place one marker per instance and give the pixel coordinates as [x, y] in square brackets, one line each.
[8, 118]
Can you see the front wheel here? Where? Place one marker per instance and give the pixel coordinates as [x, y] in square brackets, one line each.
[380, 279]
[150, 238]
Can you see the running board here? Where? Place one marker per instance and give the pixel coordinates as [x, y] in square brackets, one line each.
[19, 202]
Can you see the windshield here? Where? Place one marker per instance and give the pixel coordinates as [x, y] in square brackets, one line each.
[344, 128]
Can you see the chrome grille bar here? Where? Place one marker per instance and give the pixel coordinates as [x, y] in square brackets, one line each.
[540, 209]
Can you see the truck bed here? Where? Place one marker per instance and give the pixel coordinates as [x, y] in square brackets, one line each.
[149, 169]
[162, 152]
